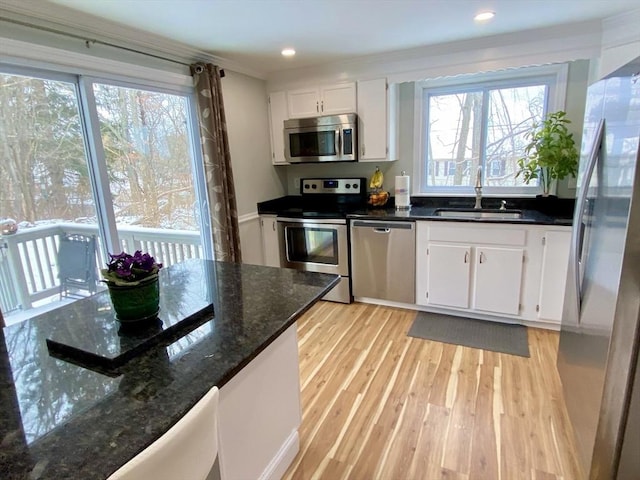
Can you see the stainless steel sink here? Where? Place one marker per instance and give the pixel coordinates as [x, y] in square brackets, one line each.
[471, 213]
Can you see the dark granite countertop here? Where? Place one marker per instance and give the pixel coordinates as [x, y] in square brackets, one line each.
[535, 211]
[529, 217]
[59, 420]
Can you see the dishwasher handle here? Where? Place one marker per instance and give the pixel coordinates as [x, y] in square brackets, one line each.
[383, 227]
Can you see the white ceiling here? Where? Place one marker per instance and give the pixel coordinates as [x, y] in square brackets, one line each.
[253, 32]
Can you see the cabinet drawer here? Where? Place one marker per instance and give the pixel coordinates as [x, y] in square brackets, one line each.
[482, 234]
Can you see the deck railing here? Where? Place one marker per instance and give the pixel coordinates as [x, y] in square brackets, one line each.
[28, 258]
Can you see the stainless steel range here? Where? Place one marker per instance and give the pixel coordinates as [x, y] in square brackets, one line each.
[313, 233]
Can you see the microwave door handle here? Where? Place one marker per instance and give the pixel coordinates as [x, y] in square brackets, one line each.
[338, 142]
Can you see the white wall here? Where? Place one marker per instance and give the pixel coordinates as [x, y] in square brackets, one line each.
[255, 179]
[246, 109]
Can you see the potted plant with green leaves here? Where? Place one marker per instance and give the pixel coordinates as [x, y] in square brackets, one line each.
[133, 285]
[551, 153]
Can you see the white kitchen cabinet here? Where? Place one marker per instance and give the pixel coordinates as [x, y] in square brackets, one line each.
[377, 120]
[555, 262]
[448, 265]
[477, 267]
[322, 100]
[270, 241]
[277, 114]
[498, 279]
[493, 270]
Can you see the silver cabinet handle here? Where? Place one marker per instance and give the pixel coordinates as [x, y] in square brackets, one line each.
[382, 230]
[317, 106]
[322, 106]
[482, 257]
[273, 225]
[466, 257]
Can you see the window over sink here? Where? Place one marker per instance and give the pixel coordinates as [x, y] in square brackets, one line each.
[480, 120]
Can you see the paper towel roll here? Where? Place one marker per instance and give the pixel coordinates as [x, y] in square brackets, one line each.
[402, 191]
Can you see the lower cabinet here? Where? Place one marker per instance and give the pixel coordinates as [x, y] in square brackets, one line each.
[498, 279]
[503, 270]
[270, 241]
[479, 277]
[556, 245]
[448, 275]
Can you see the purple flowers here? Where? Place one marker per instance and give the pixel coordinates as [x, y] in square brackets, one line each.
[127, 269]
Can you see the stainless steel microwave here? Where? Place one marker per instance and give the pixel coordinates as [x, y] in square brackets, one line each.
[331, 138]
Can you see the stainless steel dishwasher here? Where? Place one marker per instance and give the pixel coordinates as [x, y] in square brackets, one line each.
[383, 260]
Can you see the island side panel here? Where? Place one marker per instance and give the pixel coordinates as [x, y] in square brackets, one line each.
[260, 413]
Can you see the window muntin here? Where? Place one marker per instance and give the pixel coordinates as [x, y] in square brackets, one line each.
[480, 123]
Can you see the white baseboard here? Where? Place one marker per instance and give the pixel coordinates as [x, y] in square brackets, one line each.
[283, 459]
[544, 324]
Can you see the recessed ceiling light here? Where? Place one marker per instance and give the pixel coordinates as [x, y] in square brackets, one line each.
[484, 16]
[288, 52]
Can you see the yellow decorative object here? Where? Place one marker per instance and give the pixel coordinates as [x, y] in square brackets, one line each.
[376, 180]
[377, 197]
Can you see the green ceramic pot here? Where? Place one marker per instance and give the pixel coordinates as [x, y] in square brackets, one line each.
[135, 303]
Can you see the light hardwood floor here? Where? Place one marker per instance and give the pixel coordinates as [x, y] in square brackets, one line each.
[379, 405]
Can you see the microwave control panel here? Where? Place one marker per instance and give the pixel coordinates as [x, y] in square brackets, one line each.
[340, 186]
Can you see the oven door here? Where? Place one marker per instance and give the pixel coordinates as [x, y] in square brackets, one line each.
[314, 245]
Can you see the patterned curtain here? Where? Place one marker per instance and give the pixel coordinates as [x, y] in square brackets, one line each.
[217, 162]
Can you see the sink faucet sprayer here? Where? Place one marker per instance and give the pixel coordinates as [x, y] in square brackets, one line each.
[478, 189]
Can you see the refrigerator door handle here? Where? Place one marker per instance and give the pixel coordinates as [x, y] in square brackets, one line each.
[578, 230]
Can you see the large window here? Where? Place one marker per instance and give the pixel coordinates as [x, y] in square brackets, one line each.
[482, 123]
[111, 163]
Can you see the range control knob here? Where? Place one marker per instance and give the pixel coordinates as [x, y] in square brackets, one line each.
[314, 186]
[355, 185]
[306, 186]
[348, 186]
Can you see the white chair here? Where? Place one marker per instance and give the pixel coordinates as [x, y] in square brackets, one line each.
[187, 451]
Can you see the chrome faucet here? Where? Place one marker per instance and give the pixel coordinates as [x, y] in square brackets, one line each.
[478, 189]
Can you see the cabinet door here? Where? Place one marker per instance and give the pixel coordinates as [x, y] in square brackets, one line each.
[448, 275]
[270, 242]
[278, 114]
[372, 115]
[498, 279]
[303, 103]
[555, 262]
[338, 98]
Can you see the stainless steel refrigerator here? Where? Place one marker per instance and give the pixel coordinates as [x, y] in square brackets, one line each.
[598, 351]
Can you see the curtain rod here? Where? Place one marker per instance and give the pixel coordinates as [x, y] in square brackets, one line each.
[88, 42]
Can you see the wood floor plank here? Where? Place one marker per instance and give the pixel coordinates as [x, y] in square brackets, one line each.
[484, 459]
[379, 405]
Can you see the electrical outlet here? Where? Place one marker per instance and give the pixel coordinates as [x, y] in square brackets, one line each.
[296, 183]
[572, 183]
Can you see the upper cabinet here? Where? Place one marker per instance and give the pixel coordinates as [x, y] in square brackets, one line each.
[374, 101]
[278, 114]
[323, 100]
[377, 117]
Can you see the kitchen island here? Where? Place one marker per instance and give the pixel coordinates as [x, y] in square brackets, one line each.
[59, 419]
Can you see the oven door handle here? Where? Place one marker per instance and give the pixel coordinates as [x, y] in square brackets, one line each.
[382, 230]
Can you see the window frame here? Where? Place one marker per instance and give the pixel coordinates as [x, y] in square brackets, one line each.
[554, 76]
[96, 161]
